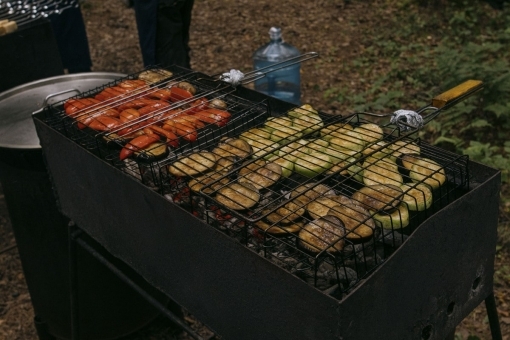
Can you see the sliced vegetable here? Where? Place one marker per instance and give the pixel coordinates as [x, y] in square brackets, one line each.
[324, 234]
[357, 221]
[233, 147]
[287, 166]
[395, 219]
[308, 123]
[320, 206]
[198, 183]
[379, 197]
[428, 172]
[279, 229]
[418, 197]
[370, 132]
[260, 174]
[238, 196]
[312, 164]
[277, 123]
[153, 152]
[193, 164]
[382, 172]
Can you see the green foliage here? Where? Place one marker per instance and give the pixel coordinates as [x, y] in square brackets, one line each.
[423, 51]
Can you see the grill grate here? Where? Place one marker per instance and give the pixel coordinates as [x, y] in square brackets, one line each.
[288, 184]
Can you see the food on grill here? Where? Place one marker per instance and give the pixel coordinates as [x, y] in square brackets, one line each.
[418, 197]
[155, 75]
[193, 164]
[287, 166]
[379, 197]
[238, 196]
[335, 130]
[429, 172]
[326, 233]
[395, 219]
[357, 221]
[382, 172]
[255, 134]
[320, 206]
[303, 110]
[274, 123]
[196, 184]
[7, 26]
[402, 147]
[260, 174]
[293, 210]
[370, 132]
[217, 103]
[152, 153]
[312, 164]
[285, 134]
[308, 192]
[279, 229]
[264, 148]
[408, 160]
[380, 150]
[308, 123]
[213, 116]
[225, 164]
[348, 139]
[137, 144]
[317, 145]
[293, 151]
[187, 86]
[233, 147]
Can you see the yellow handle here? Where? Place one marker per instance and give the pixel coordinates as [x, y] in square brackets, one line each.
[465, 89]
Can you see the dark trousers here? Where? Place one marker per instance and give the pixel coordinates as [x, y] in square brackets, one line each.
[72, 42]
[163, 31]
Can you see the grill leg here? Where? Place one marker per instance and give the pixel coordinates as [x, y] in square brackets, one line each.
[492, 313]
[73, 282]
[41, 328]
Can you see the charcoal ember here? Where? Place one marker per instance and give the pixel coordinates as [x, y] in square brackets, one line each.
[132, 169]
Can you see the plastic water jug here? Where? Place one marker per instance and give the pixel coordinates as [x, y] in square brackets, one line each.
[284, 83]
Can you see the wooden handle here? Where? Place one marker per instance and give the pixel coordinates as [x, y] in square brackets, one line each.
[461, 91]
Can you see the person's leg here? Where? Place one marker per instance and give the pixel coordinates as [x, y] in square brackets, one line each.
[146, 16]
[72, 41]
[174, 18]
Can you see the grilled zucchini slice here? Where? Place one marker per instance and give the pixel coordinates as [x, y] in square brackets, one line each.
[312, 164]
[429, 172]
[264, 148]
[275, 123]
[335, 130]
[395, 219]
[379, 197]
[303, 110]
[293, 151]
[193, 164]
[287, 166]
[308, 123]
[326, 233]
[402, 147]
[238, 196]
[370, 132]
[382, 172]
[349, 139]
[285, 134]
[255, 134]
[418, 197]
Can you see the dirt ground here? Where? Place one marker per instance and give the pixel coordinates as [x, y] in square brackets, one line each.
[224, 35]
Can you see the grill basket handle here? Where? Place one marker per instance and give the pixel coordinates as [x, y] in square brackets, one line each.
[456, 94]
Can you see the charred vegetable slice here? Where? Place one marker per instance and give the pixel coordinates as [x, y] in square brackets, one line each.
[308, 123]
[379, 197]
[238, 196]
[428, 172]
[320, 206]
[382, 172]
[193, 164]
[308, 192]
[370, 132]
[335, 130]
[153, 76]
[312, 164]
[225, 164]
[255, 134]
[275, 123]
[287, 166]
[233, 147]
[279, 230]
[358, 223]
[395, 219]
[418, 197]
[349, 139]
[152, 153]
[260, 174]
[326, 233]
[285, 134]
[264, 148]
[293, 210]
[402, 147]
[198, 183]
[303, 110]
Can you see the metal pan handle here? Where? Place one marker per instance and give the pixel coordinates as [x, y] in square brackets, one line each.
[56, 94]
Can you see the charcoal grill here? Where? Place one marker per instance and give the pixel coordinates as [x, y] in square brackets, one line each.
[246, 283]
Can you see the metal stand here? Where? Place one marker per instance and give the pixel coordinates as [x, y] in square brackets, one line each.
[76, 238]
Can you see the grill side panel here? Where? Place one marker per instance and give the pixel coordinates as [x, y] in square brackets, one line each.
[241, 295]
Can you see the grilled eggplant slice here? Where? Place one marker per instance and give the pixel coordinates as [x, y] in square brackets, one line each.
[224, 164]
[429, 172]
[370, 132]
[402, 147]
[196, 184]
[310, 191]
[293, 210]
[193, 164]
[152, 153]
[260, 174]
[238, 196]
[357, 221]
[233, 147]
[418, 197]
[276, 229]
[326, 233]
[320, 206]
[379, 197]
[382, 172]
[312, 164]
[395, 219]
